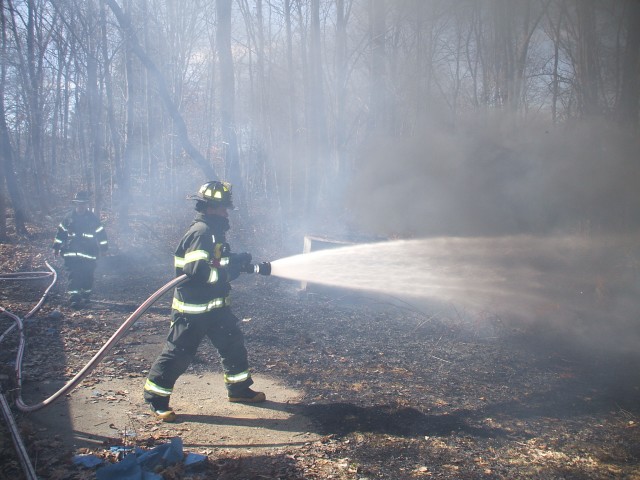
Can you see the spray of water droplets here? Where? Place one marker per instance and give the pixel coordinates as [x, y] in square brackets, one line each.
[569, 278]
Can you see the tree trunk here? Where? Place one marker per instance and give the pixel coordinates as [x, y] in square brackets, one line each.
[94, 101]
[227, 96]
[34, 68]
[526, 32]
[6, 150]
[123, 194]
[318, 142]
[378, 93]
[587, 70]
[7, 155]
[556, 27]
[291, 104]
[629, 99]
[30, 73]
[180, 126]
[3, 209]
[304, 169]
[340, 134]
[56, 127]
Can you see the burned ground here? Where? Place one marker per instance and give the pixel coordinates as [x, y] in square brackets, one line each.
[393, 391]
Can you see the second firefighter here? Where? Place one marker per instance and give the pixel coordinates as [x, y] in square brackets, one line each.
[80, 238]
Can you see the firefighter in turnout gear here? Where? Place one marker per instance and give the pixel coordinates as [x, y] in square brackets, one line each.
[80, 239]
[201, 305]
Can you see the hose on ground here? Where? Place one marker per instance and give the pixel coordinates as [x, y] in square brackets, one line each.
[21, 450]
[98, 356]
[28, 276]
[27, 466]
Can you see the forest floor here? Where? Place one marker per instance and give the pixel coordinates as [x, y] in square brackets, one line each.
[360, 387]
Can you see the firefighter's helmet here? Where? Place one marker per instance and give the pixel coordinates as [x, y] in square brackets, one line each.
[82, 197]
[214, 193]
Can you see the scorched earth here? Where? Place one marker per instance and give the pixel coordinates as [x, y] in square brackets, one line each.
[361, 386]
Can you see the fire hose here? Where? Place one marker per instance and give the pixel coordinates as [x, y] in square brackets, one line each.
[27, 276]
[23, 456]
[98, 356]
[264, 268]
[17, 440]
[18, 322]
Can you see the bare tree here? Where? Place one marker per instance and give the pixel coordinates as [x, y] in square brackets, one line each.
[587, 67]
[227, 94]
[378, 74]
[317, 122]
[341, 76]
[290, 103]
[181, 128]
[628, 104]
[555, 20]
[30, 65]
[118, 160]
[285, 101]
[7, 155]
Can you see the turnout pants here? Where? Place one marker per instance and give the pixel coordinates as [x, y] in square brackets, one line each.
[81, 272]
[186, 333]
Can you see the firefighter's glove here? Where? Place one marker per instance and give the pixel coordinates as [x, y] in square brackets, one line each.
[238, 263]
[263, 268]
[56, 252]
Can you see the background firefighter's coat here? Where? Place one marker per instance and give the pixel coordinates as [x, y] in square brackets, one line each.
[80, 238]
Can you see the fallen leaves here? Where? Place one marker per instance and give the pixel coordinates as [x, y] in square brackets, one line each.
[395, 396]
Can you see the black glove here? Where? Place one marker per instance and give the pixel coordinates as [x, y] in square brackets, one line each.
[239, 262]
[247, 268]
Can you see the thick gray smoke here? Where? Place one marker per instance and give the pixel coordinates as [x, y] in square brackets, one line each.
[554, 213]
[499, 177]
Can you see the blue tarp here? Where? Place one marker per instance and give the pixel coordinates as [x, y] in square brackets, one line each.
[194, 459]
[87, 461]
[141, 464]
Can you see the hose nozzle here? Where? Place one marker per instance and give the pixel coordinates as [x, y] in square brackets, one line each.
[263, 268]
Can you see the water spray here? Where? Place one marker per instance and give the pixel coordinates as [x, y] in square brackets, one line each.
[570, 282]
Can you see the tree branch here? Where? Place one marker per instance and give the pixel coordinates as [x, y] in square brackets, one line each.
[181, 127]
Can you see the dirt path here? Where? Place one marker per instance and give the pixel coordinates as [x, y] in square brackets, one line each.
[107, 408]
[99, 415]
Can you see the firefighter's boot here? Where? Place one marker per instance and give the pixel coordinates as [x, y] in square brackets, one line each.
[86, 296]
[247, 396]
[75, 301]
[166, 415]
[160, 408]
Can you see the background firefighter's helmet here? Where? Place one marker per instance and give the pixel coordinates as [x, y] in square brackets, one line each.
[81, 197]
[214, 193]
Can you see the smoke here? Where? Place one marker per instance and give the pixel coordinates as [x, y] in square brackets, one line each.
[544, 220]
[496, 177]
